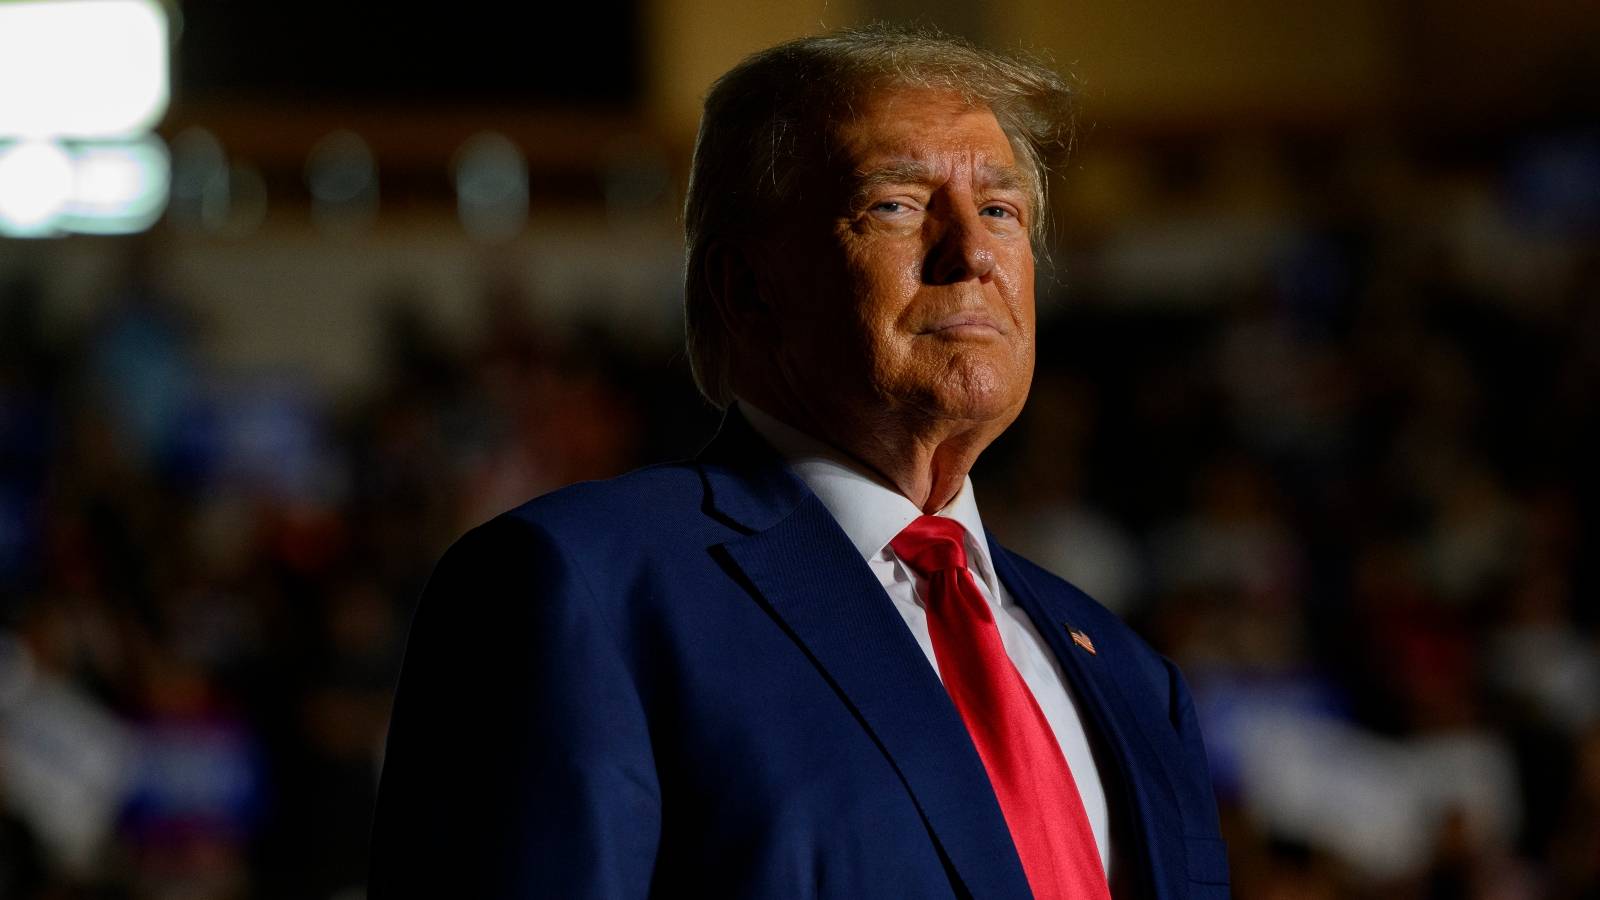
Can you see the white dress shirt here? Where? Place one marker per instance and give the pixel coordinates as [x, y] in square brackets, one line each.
[871, 514]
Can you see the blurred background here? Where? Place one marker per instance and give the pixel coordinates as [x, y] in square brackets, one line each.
[293, 293]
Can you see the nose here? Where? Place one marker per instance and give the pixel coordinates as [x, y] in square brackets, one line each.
[962, 251]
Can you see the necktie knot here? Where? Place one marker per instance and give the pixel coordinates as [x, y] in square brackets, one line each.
[931, 544]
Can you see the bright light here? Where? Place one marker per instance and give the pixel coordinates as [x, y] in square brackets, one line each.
[101, 187]
[36, 183]
[120, 188]
[82, 68]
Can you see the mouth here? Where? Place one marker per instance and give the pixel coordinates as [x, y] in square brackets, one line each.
[965, 326]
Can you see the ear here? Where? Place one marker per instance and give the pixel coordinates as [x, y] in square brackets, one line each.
[730, 273]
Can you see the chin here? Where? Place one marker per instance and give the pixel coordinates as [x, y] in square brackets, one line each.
[984, 409]
[979, 392]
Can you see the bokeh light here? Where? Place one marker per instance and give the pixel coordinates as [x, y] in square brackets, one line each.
[119, 188]
[36, 184]
[491, 181]
[343, 178]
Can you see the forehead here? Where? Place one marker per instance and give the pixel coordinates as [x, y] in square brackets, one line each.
[924, 125]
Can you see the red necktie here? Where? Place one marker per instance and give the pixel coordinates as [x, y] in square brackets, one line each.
[1030, 776]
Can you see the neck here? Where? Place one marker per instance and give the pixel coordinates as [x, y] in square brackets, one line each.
[927, 461]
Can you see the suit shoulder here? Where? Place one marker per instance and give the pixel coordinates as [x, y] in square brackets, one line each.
[576, 546]
[610, 528]
[643, 497]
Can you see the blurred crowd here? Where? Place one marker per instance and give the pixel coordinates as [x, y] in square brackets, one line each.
[1319, 420]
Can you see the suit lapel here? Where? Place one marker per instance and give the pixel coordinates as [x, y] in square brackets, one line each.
[802, 568]
[1141, 758]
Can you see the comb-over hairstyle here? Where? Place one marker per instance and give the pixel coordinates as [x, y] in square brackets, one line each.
[768, 118]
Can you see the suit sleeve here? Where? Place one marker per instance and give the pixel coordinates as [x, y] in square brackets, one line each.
[518, 761]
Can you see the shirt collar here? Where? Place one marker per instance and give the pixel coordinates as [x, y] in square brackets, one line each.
[870, 512]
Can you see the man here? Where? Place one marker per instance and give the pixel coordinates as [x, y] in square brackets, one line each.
[795, 666]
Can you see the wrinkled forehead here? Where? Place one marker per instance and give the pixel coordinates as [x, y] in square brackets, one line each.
[894, 119]
[917, 122]
[907, 133]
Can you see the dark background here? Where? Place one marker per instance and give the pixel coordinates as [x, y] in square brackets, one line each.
[301, 49]
[1315, 410]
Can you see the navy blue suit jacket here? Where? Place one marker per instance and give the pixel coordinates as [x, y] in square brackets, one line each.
[686, 682]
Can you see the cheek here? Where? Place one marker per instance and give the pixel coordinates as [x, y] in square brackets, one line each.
[1024, 313]
[883, 286]
[1017, 290]
[1016, 284]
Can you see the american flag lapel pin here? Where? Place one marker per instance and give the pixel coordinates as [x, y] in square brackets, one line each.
[1082, 640]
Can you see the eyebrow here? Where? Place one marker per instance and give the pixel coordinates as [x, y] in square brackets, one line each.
[910, 171]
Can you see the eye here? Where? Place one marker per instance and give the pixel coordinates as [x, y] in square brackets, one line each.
[888, 206]
[997, 212]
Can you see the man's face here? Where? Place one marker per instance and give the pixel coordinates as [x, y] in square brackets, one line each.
[903, 288]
